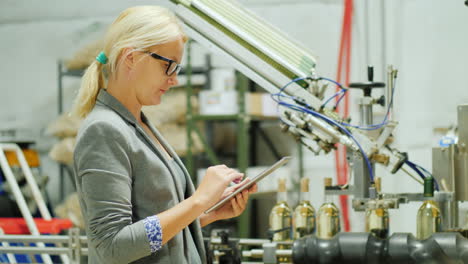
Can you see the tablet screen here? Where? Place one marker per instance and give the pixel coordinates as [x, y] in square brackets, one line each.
[253, 180]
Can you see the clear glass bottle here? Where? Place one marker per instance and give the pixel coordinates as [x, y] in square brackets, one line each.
[377, 219]
[428, 220]
[328, 219]
[304, 214]
[281, 214]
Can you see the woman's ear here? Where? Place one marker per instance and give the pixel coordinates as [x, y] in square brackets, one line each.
[128, 58]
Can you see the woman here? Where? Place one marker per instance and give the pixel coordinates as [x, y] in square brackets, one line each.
[137, 198]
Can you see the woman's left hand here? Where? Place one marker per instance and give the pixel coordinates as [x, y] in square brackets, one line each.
[237, 204]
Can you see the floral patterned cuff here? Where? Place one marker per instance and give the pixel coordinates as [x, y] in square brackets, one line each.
[153, 232]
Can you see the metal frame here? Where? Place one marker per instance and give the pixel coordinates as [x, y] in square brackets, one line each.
[74, 249]
[219, 35]
[10, 177]
[63, 72]
[243, 121]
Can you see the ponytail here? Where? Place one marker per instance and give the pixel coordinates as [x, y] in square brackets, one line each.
[138, 28]
[91, 82]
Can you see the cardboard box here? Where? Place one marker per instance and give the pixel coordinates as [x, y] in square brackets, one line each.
[261, 104]
[226, 103]
[218, 102]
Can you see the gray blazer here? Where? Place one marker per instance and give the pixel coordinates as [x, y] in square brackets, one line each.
[123, 177]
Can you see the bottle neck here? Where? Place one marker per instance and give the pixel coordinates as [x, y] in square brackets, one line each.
[281, 197]
[328, 199]
[304, 196]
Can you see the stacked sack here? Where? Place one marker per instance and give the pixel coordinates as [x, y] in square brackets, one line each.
[170, 119]
[65, 129]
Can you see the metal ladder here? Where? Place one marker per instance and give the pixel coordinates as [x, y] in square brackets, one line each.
[10, 177]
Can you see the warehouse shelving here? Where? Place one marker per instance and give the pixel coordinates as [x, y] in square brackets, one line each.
[247, 127]
[63, 72]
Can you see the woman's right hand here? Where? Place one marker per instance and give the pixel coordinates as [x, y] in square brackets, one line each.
[214, 183]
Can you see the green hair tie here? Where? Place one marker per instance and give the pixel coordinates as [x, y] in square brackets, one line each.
[102, 58]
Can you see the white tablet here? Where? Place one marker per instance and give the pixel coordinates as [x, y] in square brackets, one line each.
[253, 180]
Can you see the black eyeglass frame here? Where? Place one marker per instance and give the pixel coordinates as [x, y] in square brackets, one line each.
[177, 68]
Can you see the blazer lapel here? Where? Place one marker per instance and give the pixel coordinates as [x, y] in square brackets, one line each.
[178, 184]
[195, 227]
[107, 99]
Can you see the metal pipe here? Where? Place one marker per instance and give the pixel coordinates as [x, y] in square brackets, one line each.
[383, 32]
[412, 175]
[367, 31]
[37, 195]
[448, 208]
[389, 90]
[359, 167]
[248, 241]
[366, 248]
[10, 177]
[31, 181]
[366, 115]
[34, 238]
[258, 253]
[34, 250]
[38, 250]
[11, 258]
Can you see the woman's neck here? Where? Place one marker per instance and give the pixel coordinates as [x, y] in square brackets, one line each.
[125, 96]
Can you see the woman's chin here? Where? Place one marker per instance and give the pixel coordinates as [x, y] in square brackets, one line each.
[152, 101]
[156, 100]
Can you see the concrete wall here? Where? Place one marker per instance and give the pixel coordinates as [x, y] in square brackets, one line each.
[425, 40]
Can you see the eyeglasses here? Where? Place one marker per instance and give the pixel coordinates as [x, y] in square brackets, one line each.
[173, 66]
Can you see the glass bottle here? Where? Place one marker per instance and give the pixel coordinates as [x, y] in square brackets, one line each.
[377, 219]
[281, 215]
[428, 220]
[304, 214]
[328, 217]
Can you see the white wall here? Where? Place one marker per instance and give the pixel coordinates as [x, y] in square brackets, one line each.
[425, 40]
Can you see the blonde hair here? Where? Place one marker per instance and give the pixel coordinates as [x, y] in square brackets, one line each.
[138, 28]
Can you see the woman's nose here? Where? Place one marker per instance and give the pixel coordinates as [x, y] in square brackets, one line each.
[173, 80]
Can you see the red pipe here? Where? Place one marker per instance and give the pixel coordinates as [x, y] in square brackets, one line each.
[344, 54]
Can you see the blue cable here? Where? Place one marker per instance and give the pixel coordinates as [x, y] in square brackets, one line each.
[343, 91]
[413, 167]
[376, 126]
[332, 81]
[284, 87]
[333, 122]
[279, 94]
[417, 167]
[339, 99]
[316, 114]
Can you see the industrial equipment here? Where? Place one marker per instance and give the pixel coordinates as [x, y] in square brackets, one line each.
[287, 70]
